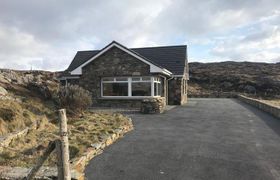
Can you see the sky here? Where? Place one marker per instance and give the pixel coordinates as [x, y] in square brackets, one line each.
[46, 34]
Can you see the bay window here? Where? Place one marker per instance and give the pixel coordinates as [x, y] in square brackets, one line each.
[131, 86]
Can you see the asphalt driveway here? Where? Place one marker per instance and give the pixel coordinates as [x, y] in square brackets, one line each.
[207, 139]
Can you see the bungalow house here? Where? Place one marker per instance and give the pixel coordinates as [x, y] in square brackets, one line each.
[121, 76]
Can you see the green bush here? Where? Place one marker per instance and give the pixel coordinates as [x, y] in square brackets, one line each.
[74, 98]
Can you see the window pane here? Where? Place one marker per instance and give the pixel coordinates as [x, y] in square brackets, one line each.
[141, 89]
[115, 89]
[121, 79]
[146, 78]
[160, 89]
[157, 89]
[108, 79]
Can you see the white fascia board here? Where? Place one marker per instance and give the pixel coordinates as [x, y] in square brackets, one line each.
[77, 71]
[153, 68]
[177, 75]
[165, 71]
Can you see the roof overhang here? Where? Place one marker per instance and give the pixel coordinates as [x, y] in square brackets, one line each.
[153, 68]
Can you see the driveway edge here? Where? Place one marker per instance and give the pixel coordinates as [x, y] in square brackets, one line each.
[273, 110]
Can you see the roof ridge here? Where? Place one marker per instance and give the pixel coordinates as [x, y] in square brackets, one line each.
[87, 50]
[148, 47]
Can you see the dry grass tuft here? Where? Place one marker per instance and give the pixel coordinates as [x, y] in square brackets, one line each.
[16, 115]
[83, 131]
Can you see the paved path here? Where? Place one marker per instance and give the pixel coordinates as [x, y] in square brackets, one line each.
[221, 139]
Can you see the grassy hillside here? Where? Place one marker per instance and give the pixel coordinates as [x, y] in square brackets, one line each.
[261, 79]
[25, 99]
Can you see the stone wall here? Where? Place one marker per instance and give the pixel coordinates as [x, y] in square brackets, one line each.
[176, 95]
[73, 81]
[117, 102]
[153, 105]
[7, 139]
[273, 110]
[214, 95]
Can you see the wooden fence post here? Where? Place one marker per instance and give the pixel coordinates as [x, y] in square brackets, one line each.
[59, 159]
[64, 146]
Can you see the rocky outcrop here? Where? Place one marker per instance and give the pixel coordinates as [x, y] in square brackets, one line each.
[25, 77]
[40, 82]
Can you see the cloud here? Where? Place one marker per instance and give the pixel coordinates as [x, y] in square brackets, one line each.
[47, 34]
[259, 44]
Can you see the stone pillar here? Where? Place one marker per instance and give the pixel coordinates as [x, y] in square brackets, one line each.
[153, 105]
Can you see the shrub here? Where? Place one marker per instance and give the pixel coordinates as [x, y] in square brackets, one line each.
[74, 98]
[7, 114]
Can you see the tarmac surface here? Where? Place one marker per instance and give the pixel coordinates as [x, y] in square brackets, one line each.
[221, 139]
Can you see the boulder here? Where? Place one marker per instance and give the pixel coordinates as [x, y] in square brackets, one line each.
[3, 91]
[250, 89]
[227, 84]
[3, 79]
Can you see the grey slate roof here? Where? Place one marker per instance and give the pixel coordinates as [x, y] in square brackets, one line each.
[171, 58]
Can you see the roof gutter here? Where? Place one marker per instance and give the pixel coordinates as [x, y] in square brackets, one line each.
[165, 71]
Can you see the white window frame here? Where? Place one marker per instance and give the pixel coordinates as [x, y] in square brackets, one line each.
[157, 81]
[129, 81]
[184, 86]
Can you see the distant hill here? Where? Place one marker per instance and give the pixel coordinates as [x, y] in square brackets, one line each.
[262, 79]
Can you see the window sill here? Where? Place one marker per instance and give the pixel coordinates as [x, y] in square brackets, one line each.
[126, 97]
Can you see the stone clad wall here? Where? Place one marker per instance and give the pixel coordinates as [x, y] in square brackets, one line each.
[174, 91]
[153, 105]
[114, 62]
[184, 96]
[117, 102]
[176, 94]
[73, 81]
